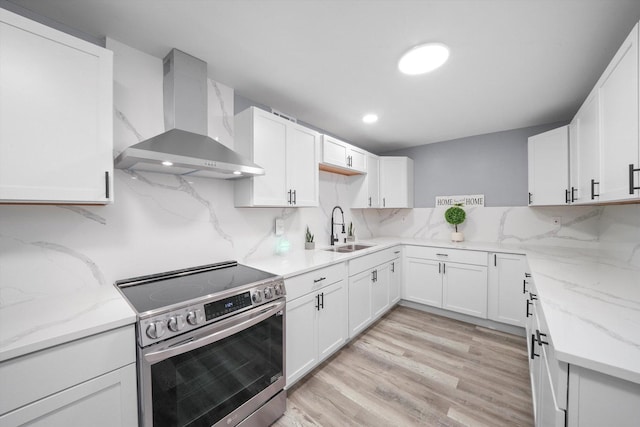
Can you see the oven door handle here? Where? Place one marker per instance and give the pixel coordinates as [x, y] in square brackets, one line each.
[224, 329]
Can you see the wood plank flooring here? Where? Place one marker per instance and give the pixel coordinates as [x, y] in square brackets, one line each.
[415, 368]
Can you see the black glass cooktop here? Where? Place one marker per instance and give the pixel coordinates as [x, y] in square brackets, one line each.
[161, 290]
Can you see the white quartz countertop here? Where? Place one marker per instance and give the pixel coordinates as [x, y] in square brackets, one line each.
[591, 301]
[35, 325]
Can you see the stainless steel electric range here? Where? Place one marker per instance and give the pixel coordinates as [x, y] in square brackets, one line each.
[211, 346]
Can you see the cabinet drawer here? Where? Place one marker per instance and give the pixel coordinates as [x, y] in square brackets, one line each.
[369, 261]
[446, 254]
[303, 284]
[29, 378]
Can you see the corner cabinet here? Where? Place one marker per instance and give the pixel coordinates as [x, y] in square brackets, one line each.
[316, 318]
[41, 389]
[288, 152]
[56, 116]
[365, 189]
[549, 168]
[396, 182]
[340, 157]
[507, 288]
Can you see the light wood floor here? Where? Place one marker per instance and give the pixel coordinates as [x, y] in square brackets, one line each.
[414, 368]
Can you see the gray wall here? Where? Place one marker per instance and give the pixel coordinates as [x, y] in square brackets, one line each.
[494, 164]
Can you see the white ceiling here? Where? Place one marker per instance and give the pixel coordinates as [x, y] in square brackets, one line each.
[513, 63]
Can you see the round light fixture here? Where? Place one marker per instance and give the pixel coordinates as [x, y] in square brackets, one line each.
[167, 163]
[370, 118]
[423, 58]
[237, 173]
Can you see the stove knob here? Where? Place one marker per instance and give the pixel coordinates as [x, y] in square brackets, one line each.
[257, 296]
[176, 323]
[278, 289]
[155, 330]
[268, 293]
[194, 317]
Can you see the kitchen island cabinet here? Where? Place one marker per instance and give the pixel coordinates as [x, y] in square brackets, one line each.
[287, 151]
[56, 116]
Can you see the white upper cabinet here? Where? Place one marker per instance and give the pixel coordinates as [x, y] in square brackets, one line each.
[342, 158]
[288, 153]
[605, 145]
[549, 168]
[396, 182]
[56, 116]
[618, 91]
[366, 188]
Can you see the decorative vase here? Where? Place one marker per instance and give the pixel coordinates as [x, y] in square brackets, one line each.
[309, 245]
[351, 238]
[457, 236]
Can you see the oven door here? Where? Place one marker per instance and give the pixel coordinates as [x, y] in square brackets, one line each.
[216, 375]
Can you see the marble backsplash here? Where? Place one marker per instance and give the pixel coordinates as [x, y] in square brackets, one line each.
[162, 222]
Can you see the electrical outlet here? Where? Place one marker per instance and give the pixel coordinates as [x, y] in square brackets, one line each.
[557, 220]
[279, 227]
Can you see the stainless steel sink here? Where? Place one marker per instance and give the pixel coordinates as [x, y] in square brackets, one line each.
[352, 247]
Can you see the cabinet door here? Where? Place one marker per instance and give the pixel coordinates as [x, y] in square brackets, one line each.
[505, 293]
[107, 401]
[357, 159]
[396, 182]
[56, 115]
[373, 181]
[588, 150]
[380, 290]
[269, 148]
[464, 289]
[302, 341]
[332, 320]
[395, 281]
[333, 151]
[549, 167]
[573, 161]
[359, 302]
[619, 121]
[549, 415]
[423, 281]
[302, 165]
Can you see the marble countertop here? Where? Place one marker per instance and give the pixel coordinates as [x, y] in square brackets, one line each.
[590, 300]
[46, 322]
[591, 303]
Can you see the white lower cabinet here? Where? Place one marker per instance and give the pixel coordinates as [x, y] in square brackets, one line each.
[316, 322]
[373, 288]
[452, 279]
[395, 279]
[73, 384]
[507, 290]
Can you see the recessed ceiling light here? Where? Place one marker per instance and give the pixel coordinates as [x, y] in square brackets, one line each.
[237, 173]
[424, 58]
[167, 163]
[370, 118]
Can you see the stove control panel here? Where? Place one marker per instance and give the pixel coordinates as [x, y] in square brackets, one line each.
[169, 324]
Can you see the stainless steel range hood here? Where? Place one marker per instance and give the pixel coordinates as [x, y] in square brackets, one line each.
[185, 148]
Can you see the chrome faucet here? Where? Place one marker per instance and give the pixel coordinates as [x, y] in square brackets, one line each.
[334, 237]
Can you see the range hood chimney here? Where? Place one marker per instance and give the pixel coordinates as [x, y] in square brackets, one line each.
[185, 148]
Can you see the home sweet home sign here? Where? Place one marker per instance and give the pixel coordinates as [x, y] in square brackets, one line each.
[466, 200]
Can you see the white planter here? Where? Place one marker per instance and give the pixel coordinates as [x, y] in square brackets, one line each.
[457, 236]
[309, 245]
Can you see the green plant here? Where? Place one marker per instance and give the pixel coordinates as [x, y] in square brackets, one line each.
[455, 215]
[308, 236]
[352, 229]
